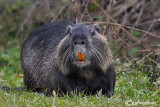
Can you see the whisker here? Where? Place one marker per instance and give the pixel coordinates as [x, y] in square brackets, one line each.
[62, 59]
[97, 54]
[65, 53]
[66, 56]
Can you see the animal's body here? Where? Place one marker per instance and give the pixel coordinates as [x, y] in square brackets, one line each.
[65, 57]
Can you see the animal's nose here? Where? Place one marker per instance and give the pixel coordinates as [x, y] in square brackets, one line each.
[82, 42]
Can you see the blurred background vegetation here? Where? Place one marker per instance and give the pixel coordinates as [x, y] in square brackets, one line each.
[132, 28]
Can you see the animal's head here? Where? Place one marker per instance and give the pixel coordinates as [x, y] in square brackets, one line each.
[83, 48]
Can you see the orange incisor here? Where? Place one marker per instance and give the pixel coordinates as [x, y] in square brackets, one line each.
[81, 56]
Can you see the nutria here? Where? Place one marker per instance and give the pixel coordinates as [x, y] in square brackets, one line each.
[63, 57]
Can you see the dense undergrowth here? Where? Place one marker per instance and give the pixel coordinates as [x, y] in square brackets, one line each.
[131, 27]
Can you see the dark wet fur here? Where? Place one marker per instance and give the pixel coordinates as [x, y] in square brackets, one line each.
[49, 66]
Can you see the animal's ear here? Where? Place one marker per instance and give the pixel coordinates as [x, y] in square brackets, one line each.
[68, 30]
[95, 28]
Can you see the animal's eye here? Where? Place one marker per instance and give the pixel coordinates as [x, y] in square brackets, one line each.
[75, 42]
[92, 33]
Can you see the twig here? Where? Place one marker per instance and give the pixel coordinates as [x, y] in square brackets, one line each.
[151, 21]
[130, 36]
[85, 11]
[131, 3]
[116, 24]
[156, 51]
[60, 11]
[145, 35]
[140, 13]
[111, 3]
[120, 49]
[102, 10]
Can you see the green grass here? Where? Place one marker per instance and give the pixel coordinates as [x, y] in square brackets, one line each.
[131, 85]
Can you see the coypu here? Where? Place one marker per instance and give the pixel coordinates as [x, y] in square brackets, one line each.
[63, 57]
